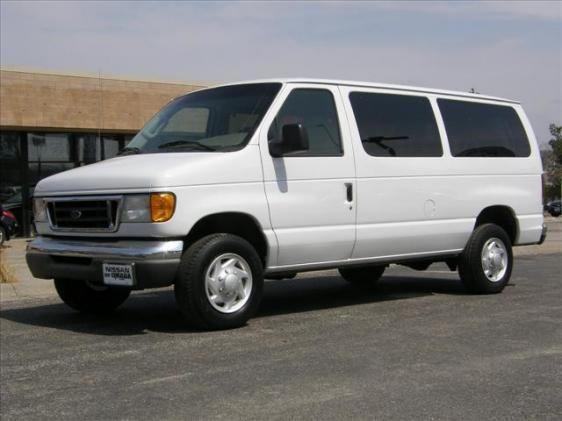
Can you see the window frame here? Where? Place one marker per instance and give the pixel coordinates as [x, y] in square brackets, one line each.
[441, 135]
[308, 154]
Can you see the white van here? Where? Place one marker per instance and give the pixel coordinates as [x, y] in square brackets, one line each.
[228, 185]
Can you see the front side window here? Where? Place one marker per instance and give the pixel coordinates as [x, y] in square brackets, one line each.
[220, 119]
[483, 130]
[396, 125]
[315, 109]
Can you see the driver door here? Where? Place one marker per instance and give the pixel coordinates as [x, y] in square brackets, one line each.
[311, 193]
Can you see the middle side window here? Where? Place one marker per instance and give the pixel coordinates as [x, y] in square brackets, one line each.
[396, 125]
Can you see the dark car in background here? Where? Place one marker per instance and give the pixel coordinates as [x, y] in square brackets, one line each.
[8, 225]
[553, 208]
[15, 204]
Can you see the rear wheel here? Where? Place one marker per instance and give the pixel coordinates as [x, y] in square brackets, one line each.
[487, 260]
[363, 276]
[90, 298]
[2, 235]
[219, 282]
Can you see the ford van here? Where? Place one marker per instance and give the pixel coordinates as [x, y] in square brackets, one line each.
[229, 185]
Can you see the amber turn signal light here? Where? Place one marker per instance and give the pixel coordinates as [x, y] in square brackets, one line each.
[162, 206]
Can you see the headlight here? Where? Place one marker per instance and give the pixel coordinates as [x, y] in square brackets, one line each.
[39, 210]
[136, 208]
[155, 207]
[162, 206]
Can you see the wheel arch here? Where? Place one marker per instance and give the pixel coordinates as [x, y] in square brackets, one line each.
[501, 215]
[237, 223]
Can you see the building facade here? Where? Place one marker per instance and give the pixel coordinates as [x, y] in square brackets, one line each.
[54, 122]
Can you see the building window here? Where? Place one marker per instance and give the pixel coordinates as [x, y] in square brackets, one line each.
[10, 165]
[112, 145]
[26, 158]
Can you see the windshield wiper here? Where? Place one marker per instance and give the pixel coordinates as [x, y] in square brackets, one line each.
[182, 143]
[129, 151]
[377, 140]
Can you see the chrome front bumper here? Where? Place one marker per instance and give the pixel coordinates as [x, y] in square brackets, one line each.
[155, 262]
[543, 234]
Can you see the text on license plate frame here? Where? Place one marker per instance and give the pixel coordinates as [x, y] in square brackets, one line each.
[120, 274]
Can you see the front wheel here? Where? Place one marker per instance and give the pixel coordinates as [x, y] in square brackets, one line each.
[485, 264]
[219, 283]
[90, 298]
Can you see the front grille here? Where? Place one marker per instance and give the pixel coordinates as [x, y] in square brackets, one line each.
[84, 214]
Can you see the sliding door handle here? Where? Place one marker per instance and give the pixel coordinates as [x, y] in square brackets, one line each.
[349, 192]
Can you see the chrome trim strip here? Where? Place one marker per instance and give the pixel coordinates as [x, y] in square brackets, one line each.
[129, 249]
[107, 198]
[309, 267]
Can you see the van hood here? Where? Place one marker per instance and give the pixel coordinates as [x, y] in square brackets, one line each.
[151, 171]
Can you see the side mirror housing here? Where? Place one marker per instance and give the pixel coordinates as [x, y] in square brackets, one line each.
[294, 139]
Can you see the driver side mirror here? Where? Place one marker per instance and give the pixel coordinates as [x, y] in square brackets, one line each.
[294, 139]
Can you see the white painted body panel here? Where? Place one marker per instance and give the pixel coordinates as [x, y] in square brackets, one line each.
[423, 205]
[151, 171]
[307, 197]
[204, 184]
[402, 207]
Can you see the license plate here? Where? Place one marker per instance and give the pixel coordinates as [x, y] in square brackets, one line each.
[118, 274]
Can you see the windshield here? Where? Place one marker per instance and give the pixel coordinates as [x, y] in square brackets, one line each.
[219, 119]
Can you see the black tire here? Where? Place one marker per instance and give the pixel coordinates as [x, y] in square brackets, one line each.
[2, 236]
[190, 286]
[87, 298]
[362, 276]
[471, 269]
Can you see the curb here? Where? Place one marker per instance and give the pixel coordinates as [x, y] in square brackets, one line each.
[7, 275]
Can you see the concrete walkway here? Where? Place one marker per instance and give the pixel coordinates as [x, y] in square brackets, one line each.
[25, 286]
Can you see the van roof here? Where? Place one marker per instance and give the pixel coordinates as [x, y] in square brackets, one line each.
[378, 85]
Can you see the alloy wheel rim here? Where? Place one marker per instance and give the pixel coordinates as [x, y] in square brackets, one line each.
[494, 259]
[228, 283]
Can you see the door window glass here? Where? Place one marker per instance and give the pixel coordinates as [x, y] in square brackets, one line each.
[316, 111]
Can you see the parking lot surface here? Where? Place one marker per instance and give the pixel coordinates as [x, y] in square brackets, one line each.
[416, 347]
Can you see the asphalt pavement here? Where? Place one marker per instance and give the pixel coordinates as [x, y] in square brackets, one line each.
[417, 347]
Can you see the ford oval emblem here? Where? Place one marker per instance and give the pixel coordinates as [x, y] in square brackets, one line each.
[75, 214]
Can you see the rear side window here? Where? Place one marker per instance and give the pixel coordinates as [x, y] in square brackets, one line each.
[396, 125]
[483, 130]
[316, 111]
